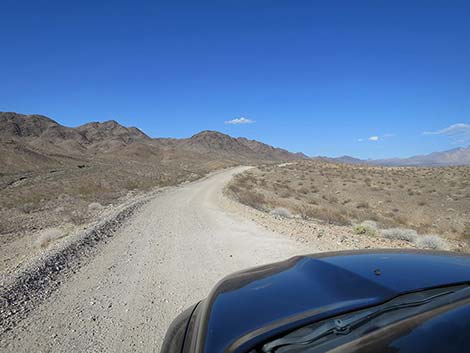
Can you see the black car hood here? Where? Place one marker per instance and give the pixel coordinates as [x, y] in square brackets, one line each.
[254, 305]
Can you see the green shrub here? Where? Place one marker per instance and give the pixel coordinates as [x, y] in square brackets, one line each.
[367, 228]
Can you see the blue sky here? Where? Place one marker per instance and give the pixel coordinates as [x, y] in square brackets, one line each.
[315, 76]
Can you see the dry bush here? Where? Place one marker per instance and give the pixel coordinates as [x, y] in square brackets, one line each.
[466, 230]
[285, 194]
[401, 219]
[370, 224]
[400, 234]
[329, 215]
[47, 236]
[362, 204]
[234, 188]
[364, 230]
[281, 212]
[78, 216]
[433, 242]
[252, 198]
[95, 206]
[30, 201]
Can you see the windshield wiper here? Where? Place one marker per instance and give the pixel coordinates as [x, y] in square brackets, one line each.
[346, 325]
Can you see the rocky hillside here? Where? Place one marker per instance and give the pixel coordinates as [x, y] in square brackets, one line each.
[50, 173]
[31, 142]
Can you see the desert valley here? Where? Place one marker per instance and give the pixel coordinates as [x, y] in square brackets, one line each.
[105, 202]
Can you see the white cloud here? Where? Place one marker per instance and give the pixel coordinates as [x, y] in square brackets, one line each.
[450, 130]
[460, 133]
[240, 120]
[376, 138]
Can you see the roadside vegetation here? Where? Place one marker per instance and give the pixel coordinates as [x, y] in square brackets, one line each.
[39, 208]
[423, 206]
[75, 194]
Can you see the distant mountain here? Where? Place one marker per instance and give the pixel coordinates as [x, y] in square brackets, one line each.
[343, 159]
[36, 141]
[214, 142]
[453, 157]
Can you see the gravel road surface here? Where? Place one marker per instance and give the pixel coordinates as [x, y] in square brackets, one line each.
[166, 257]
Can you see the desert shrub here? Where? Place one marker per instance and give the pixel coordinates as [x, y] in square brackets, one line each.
[325, 214]
[466, 230]
[370, 224]
[252, 198]
[78, 216]
[362, 204]
[367, 228]
[245, 179]
[234, 188]
[95, 206]
[433, 242]
[400, 234]
[333, 199]
[281, 212]
[312, 201]
[402, 219]
[47, 236]
[285, 194]
[29, 207]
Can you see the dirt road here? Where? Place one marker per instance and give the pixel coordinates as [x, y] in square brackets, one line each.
[168, 256]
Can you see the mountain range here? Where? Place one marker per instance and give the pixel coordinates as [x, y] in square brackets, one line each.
[34, 141]
[453, 157]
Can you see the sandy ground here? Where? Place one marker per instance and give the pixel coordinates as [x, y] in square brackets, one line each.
[168, 256]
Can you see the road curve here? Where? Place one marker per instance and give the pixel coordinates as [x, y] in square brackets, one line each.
[165, 258]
